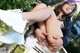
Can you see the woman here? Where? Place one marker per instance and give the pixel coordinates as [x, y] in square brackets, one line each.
[18, 22]
[63, 15]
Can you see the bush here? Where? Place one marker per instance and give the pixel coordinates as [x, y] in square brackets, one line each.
[24, 5]
[51, 2]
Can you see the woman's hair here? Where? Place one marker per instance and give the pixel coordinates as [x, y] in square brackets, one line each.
[59, 7]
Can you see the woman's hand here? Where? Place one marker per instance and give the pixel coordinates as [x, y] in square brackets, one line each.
[55, 45]
[40, 36]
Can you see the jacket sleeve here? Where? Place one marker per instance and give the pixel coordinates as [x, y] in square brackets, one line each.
[66, 38]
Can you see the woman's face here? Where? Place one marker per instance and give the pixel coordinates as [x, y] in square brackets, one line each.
[67, 8]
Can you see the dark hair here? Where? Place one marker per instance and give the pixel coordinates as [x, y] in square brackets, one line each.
[59, 8]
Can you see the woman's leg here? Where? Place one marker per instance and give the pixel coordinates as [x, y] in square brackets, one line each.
[53, 27]
[38, 15]
[54, 31]
[37, 7]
